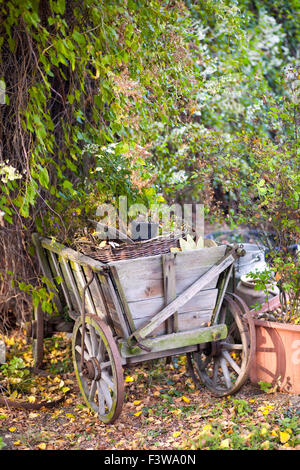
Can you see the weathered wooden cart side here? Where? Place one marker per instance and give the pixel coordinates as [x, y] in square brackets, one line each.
[150, 307]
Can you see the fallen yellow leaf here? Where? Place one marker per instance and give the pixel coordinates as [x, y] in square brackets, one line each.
[187, 400]
[176, 412]
[137, 413]
[207, 427]
[137, 402]
[31, 399]
[176, 433]
[225, 444]
[42, 446]
[12, 429]
[265, 445]
[17, 443]
[284, 437]
[129, 379]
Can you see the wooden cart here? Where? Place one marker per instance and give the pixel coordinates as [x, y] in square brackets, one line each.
[126, 312]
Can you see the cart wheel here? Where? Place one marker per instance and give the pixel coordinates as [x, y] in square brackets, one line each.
[223, 366]
[101, 379]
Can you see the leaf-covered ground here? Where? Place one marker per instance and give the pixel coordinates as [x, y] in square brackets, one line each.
[162, 409]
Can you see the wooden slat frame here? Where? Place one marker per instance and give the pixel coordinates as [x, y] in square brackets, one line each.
[165, 313]
[80, 277]
[142, 278]
[70, 279]
[102, 285]
[169, 278]
[63, 283]
[46, 270]
[123, 300]
[97, 294]
[177, 340]
[119, 308]
[71, 255]
[204, 300]
[222, 290]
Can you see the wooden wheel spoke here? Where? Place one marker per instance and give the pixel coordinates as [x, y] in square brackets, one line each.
[106, 394]
[231, 330]
[225, 371]
[231, 346]
[215, 372]
[100, 351]
[105, 365]
[205, 363]
[85, 354]
[93, 390]
[87, 342]
[108, 380]
[231, 361]
[94, 340]
[101, 404]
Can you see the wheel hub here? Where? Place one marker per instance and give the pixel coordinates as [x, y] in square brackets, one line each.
[212, 349]
[216, 347]
[91, 369]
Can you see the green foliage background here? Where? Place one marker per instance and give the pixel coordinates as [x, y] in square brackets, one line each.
[182, 101]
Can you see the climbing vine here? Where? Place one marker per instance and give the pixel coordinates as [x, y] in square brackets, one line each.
[137, 98]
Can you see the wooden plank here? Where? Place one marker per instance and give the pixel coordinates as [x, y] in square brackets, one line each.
[142, 278]
[123, 299]
[73, 289]
[64, 287]
[55, 274]
[177, 340]
[118, 310]
[81, 281]
[43, 261]
[169, 280]
[222, 290]
[71, 255]
[97, 295]
[204, 300]
[184, 297]
[186, 321]
[146, 356]
[110, 309]
[71, 295]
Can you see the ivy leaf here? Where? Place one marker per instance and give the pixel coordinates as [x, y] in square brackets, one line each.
[44, 177]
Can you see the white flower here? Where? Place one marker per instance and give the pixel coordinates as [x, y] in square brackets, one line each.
[8, 173]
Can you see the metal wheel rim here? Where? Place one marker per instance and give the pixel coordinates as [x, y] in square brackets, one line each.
[104, 393]
[217, 369]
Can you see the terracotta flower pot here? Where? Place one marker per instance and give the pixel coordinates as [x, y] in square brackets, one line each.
[277, 355]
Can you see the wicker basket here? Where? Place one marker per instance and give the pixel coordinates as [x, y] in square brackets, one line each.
[108, 253]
